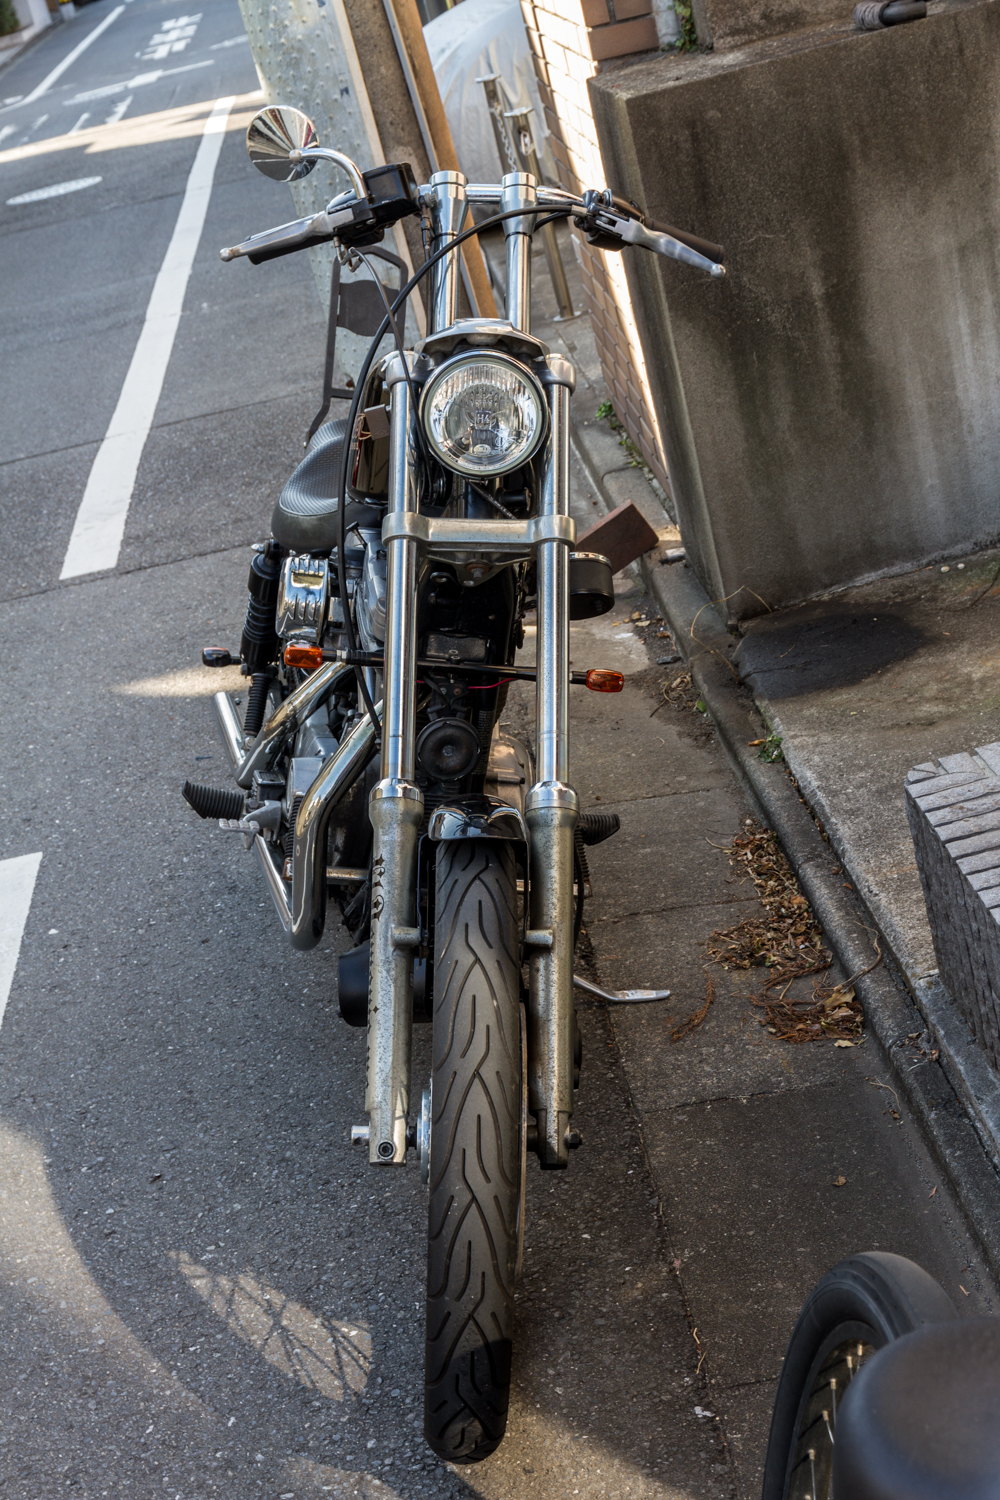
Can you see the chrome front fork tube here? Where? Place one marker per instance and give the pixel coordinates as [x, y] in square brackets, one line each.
[448, 209]
[396, 811]
[519, 191]
[551, 812]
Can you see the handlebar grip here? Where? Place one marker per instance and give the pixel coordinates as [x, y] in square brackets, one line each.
[693, 242]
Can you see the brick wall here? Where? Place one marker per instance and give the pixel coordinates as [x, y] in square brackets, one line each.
[570, 39]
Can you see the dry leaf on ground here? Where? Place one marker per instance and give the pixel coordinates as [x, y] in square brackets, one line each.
[789, 942]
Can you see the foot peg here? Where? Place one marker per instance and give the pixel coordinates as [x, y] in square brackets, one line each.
[620, 997]
[595, 827]
[213, 801]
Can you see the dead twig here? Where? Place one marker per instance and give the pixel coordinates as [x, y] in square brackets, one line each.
[954, 609]
[744, 587]
[695, 1019]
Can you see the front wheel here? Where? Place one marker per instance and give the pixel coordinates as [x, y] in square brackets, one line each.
[865, 1302]
[475, 1162]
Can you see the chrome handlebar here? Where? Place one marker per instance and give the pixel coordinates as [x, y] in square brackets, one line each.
[339, 214]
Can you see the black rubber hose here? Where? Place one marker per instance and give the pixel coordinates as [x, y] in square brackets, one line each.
[259, 644]
[213, 801]
[256, 702]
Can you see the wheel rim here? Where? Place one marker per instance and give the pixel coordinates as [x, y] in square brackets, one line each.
[811, 1472]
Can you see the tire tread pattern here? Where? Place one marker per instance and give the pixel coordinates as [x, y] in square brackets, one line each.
[475, 1153]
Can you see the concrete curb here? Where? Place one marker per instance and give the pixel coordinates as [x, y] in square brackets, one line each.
[948, 1115]
[10, 55]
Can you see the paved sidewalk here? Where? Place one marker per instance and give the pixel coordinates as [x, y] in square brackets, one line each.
[767, 1162]
[857, 687]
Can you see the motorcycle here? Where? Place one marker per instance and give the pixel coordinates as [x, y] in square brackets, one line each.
[380, 641]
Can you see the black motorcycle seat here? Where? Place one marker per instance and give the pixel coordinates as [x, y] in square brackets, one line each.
[305, 517]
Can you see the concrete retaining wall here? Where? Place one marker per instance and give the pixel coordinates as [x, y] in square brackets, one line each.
[831, 411]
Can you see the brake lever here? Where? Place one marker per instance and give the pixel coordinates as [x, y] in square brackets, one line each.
[634, 233]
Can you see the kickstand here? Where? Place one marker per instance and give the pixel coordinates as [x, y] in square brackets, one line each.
[620, 997]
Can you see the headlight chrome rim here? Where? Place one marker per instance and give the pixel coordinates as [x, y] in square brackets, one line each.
[467, 466]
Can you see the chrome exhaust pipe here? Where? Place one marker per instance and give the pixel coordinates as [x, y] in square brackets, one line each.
[303, 913]
[229, 726]
[335, 779]
[286, 719]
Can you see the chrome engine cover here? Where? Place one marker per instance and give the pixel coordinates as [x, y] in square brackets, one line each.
[302, 598]
[371, 600]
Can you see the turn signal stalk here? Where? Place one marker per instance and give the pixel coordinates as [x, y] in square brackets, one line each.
[600, 680]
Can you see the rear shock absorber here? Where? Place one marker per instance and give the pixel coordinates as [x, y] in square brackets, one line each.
[259, 644]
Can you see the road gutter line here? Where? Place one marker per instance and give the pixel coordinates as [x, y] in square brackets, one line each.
[100, 522]
[71, 57]
[17, 886]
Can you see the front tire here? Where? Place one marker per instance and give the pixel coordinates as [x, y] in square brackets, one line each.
[475, 1162]
[865, 1302]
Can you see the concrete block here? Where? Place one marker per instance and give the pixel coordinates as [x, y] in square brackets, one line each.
[605, 453]
[808, 442]
[954, 818]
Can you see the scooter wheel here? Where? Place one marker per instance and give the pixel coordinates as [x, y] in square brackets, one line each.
[865, 1302]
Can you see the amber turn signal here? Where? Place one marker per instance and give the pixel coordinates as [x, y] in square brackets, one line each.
[308, 657]
[600, 680]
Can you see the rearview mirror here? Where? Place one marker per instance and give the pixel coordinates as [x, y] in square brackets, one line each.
[273, 134]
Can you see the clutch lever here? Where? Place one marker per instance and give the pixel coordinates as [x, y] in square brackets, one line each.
[299, 234]
[635, 233]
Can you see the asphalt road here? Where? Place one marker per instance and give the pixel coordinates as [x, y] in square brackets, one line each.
[202, 1290]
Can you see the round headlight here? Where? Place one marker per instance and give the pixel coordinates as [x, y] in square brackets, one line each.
[483, 414]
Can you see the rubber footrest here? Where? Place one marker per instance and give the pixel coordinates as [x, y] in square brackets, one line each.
[595, 827]
[213, 801]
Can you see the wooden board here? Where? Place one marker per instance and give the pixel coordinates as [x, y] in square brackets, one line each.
[622, 535]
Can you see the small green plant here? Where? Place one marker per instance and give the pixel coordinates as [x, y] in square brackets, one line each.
[8, 18]
[688, 39]
[771, 748]
[607, 413]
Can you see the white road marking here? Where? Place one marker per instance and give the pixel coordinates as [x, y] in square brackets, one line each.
[17, 886]
[71, 57]
[56, 191]
[6, 131]
[136, 83]
[81, 122]
[100, 522]
[233, 41]
[119, 110]
[173, 36]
